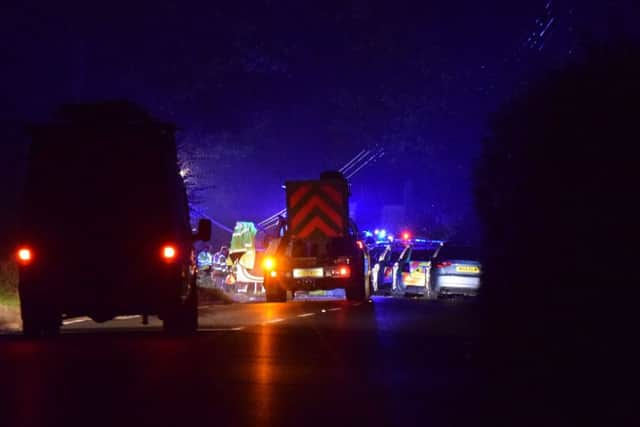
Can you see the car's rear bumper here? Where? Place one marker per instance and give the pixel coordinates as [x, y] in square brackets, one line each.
[318, 284]
[453, 284]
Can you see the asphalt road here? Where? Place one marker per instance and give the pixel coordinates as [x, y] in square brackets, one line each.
[384, 362]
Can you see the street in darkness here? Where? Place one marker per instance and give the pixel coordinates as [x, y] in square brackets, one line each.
[386, 362]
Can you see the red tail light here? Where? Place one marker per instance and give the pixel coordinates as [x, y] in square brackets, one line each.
[169, 253]
[344, 271]
[360, 244]
[24, 255]
[443, 264]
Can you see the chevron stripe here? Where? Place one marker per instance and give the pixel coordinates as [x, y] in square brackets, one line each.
[314, 202]
[299, 194]
[333, 194]
[317, 224]
[317, 213]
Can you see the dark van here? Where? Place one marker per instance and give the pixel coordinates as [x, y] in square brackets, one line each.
[104, 224]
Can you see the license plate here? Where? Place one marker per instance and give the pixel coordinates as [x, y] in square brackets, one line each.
[308, 272]
[467, 269]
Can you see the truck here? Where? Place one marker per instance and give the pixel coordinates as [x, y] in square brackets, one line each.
[105, 227]
[320, 248]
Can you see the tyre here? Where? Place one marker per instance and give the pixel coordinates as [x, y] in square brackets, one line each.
[183, 319]
[358, 289]
[274, 292]
[37, 320]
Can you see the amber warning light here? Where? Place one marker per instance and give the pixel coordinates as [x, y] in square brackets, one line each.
[269, 263]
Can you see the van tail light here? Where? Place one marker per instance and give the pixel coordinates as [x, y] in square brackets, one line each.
[169, 253]
[338, 271]
[24, 255]
[344, 271]
[444, 264]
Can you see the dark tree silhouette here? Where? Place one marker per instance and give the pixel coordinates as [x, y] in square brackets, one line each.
[556, 191]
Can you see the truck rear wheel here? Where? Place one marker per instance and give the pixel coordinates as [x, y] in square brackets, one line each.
[37, 320]
[360, 287]
[183, 319]
[356, 291]
[274, 292]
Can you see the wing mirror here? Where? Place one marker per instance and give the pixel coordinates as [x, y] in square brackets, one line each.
[204, 230]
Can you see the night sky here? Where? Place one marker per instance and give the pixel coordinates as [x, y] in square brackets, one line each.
[266, 91]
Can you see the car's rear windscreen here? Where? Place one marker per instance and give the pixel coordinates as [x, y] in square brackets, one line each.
[459, 252]
[422, 254]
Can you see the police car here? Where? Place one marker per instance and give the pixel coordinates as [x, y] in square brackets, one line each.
[410, 273]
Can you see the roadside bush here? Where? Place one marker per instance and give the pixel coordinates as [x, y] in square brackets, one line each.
[555, 192]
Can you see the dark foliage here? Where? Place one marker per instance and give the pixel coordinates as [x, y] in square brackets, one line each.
[556, 190]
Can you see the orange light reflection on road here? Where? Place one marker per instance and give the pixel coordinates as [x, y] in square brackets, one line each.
[263, 377]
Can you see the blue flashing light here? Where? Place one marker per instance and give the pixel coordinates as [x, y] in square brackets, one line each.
[382, 233]
[367, 233]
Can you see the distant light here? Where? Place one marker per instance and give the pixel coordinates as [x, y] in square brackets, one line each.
[376, 231]
[406, 235]
[382, 233]
[273, 273]
[391, 237]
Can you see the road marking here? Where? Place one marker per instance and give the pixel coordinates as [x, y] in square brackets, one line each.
[357, 304]
[272, 321]
[220, 329]
[205, 306]
[127, 317]
[71, 322]
[306, 314]
[335, 309]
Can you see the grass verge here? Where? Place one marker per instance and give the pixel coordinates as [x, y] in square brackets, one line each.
[8, 283]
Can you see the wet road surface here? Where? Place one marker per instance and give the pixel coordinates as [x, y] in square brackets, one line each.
[384, 362]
